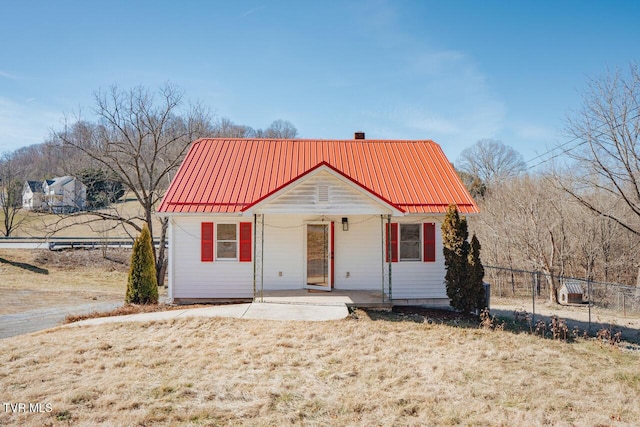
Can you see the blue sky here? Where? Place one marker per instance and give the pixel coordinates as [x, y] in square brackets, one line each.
[453, 71]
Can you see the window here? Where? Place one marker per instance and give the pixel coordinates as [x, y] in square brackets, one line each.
[406, 243]
[409, 242]
[226, 241]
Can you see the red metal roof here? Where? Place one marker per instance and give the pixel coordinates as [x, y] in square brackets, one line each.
[228, 175]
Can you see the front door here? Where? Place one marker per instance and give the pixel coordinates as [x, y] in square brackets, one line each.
[318, 255]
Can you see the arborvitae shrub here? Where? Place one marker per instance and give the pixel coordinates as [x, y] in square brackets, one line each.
[464, 274]
[142, 286]
[476, 275]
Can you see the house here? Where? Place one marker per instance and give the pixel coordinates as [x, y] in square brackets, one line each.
[32, 195]
[252, 215]
[64, 194]
[570, 293]
[59, 195]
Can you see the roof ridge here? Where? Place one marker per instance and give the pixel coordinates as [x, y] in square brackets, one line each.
[355, 141]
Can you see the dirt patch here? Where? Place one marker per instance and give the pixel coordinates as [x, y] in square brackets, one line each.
[418, 314]
[129, 309]
[437, 314]
[114, 259]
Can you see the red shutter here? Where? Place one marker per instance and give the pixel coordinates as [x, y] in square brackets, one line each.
[206, 253]
[394, 242]
[245, 242]
[429, 242]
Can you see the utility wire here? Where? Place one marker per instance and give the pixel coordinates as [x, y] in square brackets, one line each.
[579, 137]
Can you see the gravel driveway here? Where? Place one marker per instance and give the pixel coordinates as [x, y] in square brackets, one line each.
[48, 317]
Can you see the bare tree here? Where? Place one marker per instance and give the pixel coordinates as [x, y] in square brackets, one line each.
[524, 221]
[40, 161]
[141, 138]
[282, 129]
[491, 160]
[608, 157]
[225, 128]
[11, 184]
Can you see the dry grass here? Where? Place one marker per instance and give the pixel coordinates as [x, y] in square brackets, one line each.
[37, 224]
[43, 278]
[351, 372]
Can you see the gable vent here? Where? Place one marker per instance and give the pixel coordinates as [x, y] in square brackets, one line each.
[323, 193]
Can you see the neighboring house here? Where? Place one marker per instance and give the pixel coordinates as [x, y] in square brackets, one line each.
[59, 195]
[248, 215]
[64, 194]
[32, 195]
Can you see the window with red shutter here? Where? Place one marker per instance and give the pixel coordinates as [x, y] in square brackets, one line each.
[429, 240]
[245, 242]
[394, 242]
[206, 241]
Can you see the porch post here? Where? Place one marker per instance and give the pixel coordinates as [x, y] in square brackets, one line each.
[382, 247]
[390, 255]
[262, 260]
[255, 232]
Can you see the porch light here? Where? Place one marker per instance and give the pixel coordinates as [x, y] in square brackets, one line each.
[345, 224]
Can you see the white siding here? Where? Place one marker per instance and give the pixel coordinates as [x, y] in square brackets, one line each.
[283, 252]
[358, 252]
[27, 198]
[344, 199]
[193, 278]
[417, 279]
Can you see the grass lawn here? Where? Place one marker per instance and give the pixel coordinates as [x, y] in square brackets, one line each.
[41, 278]
[40, 224]
[369, 370]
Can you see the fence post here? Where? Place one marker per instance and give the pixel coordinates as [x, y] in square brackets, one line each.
[589, 301]
[534, 286]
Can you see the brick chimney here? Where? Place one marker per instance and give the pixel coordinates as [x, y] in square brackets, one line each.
[358, 135]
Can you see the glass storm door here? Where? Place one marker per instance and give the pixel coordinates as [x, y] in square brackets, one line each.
[318, 266]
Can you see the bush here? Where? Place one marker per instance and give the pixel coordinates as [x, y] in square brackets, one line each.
[142, 286]
[462, 261]
[476, 275]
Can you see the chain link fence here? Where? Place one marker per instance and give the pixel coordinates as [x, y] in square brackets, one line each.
[535, 286]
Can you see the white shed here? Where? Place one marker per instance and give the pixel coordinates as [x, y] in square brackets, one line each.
[570, 292]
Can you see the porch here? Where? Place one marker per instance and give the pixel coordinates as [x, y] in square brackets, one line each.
[350, 298]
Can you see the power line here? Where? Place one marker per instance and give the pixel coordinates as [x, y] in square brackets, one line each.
[579, 137]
